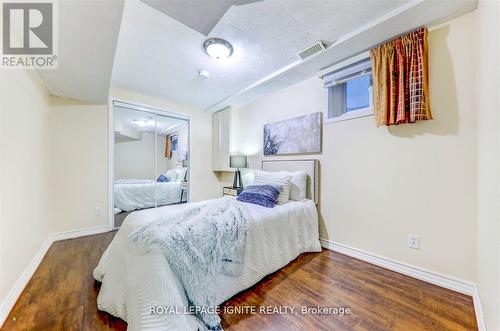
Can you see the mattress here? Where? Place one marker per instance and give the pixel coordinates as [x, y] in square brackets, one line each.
[134, 282]
[132, 195]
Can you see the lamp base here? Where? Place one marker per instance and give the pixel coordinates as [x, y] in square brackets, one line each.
[237, 183]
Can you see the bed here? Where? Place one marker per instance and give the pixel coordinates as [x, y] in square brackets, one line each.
[134, 194]
[133, 281]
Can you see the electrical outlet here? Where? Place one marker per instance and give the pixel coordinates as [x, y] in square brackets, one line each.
[98, 211]
[414, 241]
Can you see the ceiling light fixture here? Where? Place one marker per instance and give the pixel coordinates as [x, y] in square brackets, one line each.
[140, 122]
[218, 48]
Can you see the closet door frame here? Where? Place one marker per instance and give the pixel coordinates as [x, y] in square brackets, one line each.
[111, 145]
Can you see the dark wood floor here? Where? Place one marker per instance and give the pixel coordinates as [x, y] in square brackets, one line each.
[62, 296]
[119, 218]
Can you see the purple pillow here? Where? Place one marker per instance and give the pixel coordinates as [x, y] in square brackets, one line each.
[162, 179]
[263, 195]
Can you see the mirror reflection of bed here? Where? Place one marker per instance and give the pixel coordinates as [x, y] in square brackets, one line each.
[151, 160]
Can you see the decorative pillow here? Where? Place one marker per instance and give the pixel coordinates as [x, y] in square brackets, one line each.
[298, 184]
[277, 180]
[171, 175]
[263, 195]
[162, 179]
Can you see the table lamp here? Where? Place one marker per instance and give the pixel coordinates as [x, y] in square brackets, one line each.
[237, 161]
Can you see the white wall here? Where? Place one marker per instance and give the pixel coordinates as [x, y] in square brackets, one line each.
[54, 169]
[79, 164]
[488, 163]
[136, 159]
[379, 185]
[141, 158]
[25, 153]
[204, 183]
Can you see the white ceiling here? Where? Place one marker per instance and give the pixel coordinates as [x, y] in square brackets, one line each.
[199, 15]
[88, 32]
[154, 123]
[412, 15]
[156, 55]
[149, 52]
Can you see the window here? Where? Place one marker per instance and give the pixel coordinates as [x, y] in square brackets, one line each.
[349, 91]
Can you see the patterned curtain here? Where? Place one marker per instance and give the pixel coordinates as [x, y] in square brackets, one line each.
[168, 147]
[401, 80]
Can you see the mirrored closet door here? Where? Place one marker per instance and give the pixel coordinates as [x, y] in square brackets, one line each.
[151, 159]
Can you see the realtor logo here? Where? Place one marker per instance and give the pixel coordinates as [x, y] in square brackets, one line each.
[28, 31]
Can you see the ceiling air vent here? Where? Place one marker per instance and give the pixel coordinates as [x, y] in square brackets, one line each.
[314, 49]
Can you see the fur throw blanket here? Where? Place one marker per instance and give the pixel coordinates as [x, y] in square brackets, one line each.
[200, 243]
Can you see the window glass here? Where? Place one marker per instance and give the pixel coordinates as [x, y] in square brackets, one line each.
[357, 93]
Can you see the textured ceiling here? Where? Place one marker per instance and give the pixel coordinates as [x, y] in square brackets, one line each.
[159, 56]
[405, 18]
[149, 52]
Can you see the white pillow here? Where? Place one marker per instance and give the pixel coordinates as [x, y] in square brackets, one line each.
[172, 175]
[273, 178]
[181, 173]
[298, 184]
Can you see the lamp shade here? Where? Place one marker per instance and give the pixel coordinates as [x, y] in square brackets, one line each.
[238, 161]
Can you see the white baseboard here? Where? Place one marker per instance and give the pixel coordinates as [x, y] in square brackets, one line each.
[403, 268]
[9, 302]
[79, 233]
[435, 278]
[428, 276]
[22, 281]
[481, 323]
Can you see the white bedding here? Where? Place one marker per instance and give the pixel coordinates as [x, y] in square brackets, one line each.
[139, 194]
[134, 181]
[133, 282]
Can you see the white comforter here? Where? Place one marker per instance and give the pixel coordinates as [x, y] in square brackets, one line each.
[139, 194]
[133, 282]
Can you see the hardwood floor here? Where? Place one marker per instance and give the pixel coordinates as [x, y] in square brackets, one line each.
[119, 218]
[62, 296]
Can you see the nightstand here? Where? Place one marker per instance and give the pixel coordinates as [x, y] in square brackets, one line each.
[229, 190]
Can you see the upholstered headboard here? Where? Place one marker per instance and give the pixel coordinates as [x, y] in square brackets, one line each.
[310, 166]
